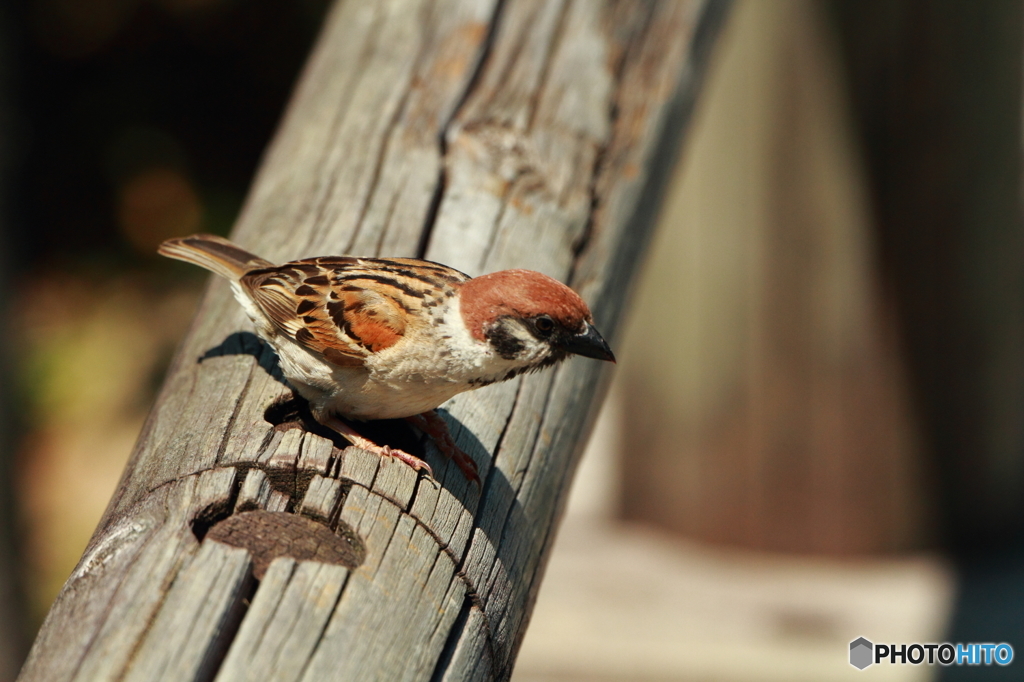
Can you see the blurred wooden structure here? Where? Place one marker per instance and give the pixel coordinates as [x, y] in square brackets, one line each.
[936, 91]
[770, 405]
[841, 371]
[477, 133]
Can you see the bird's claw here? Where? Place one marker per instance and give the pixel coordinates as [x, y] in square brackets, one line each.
[437, 429]
[401, 455]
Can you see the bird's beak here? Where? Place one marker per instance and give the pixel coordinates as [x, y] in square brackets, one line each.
[589, 344]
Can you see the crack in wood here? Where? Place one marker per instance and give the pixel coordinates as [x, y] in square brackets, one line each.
[598, 167]
[454, 636]
[552, 48]
[435, 200]
[483, 54]
[222, 448]
[266, 623]
[501, 440]
[387, 221]
[170, 577]
[323, 629]
[381, 157]
[323, 203]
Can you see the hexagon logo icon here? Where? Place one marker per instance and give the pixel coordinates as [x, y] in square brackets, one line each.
[861, 653]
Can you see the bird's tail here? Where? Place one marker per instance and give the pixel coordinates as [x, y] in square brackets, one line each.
[213, 253]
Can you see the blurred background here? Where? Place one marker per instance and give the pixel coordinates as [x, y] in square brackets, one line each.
[816, 428]
[122, 123]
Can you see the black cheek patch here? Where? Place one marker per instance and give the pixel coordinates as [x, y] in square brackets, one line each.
[504, 343]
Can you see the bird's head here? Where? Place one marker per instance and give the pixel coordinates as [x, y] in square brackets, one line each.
[530, 318]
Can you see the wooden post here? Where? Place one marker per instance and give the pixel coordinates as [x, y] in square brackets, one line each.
[480, 134]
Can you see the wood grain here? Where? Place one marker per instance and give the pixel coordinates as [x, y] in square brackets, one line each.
[479, 134]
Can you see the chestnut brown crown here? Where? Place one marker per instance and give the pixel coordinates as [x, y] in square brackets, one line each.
[550, 310]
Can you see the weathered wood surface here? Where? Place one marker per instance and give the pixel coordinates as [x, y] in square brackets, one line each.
[481, 134]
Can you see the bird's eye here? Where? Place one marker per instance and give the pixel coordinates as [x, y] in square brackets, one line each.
[544, 325]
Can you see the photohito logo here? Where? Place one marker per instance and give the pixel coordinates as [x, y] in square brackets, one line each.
[863, 653]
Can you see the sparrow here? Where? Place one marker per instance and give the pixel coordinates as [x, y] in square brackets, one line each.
[393, 338]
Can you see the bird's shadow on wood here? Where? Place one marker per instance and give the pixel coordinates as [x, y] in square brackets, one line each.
[496, 492]
[247, 343]
[293, 411]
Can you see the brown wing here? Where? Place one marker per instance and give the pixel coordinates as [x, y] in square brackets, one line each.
[347, 308]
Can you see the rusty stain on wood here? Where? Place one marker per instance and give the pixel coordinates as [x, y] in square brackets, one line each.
[269, 535]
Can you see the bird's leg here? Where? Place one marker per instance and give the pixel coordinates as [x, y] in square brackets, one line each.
[431, 424]
[365, 443]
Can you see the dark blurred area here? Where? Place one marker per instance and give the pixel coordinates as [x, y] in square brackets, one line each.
[128, 107]
[122, 123]
[936, 94]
